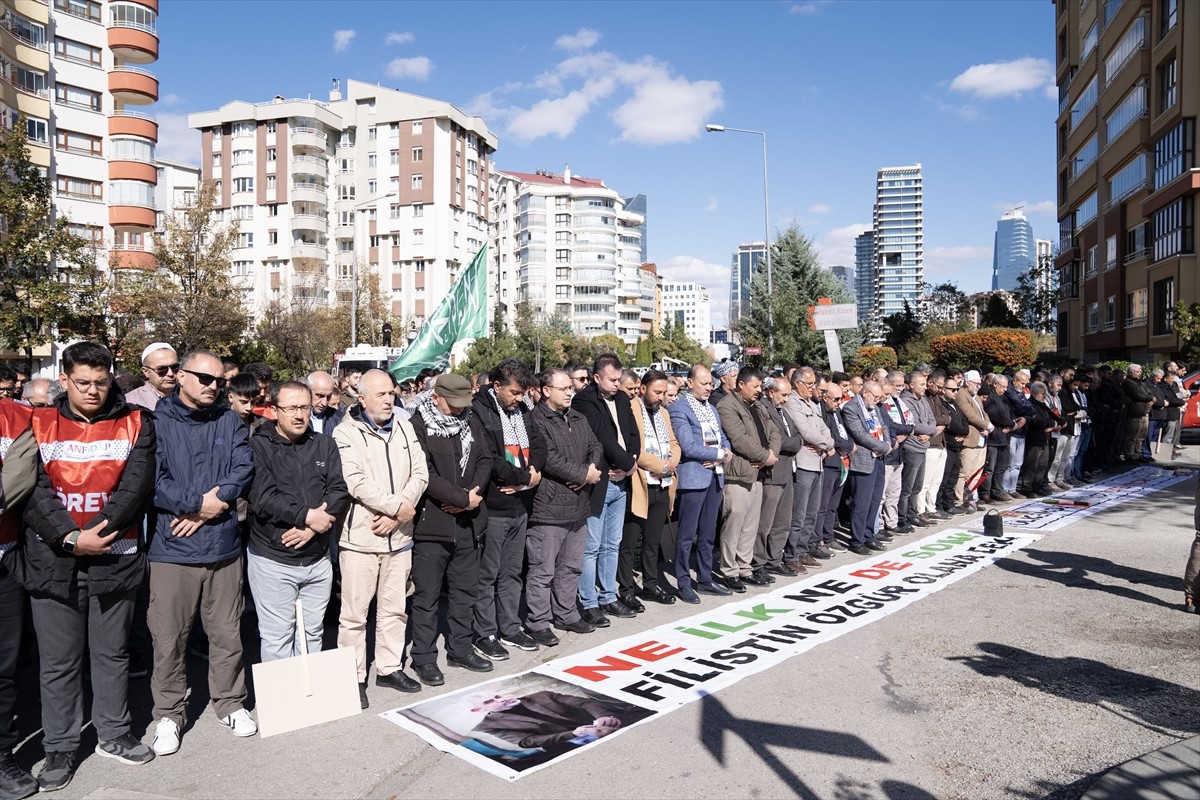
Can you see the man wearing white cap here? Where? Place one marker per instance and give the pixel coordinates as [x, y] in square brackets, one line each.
[974, 452]
[160, 368]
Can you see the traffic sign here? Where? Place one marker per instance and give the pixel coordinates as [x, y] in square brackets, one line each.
[754, 351]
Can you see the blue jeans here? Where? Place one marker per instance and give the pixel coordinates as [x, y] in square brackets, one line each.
[1157, 426]
[603, 545]
[275, 587]
[1016, 457]
[1085, 438]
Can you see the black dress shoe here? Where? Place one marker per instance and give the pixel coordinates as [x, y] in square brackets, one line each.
[580, 625]
[736, 585]
[713, 589]
[860, 550]
[884, 537]
[618, 609]
[428, 674]
[362, 695]
[545, 637]
[876, 547]
[758, 578]
[402, 683]
[921, 522]
[631, 602]
[781, 569]
[688, 595]
[657, 595]
[593, 617]
[903, 529]
[471, 660]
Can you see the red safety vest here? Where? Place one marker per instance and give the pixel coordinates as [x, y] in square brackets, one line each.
[14, 420]
[85, 461]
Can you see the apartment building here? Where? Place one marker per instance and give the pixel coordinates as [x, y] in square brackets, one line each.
[373, 179]
[687, 304]
[568, 247]
[864, 276]
[899, 240]
[743, 266]
[1128, 76]
[1013, 253]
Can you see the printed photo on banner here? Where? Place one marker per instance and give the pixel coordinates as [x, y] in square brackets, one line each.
[514, 725]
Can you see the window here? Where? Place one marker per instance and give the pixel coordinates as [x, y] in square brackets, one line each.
[1168, 15]
[271, 183]
[345, 192]
[216, 160]
[94, 234]
[131, 193]
[1087, 210]
[37, 130]
[216, 134]
[1089, 42]
[78, 98]
[243, 212]
[272, 155]
[243, 184]
[418, 154]
[1137, 242]
[562, 201]
[271, 126]
[418, 235]
[243, 129]
[1129, 179]
[562, 256]
[1110, 252]
[371, 133]
[80, 53]
[245, 240]
[273, 210]
[418, 210]
[562, 237]
[1093, 317]
[394, 157]
[394, 184]
[1132, 40]
[85, 9]
[1084, 103]
[1110, 313]
[418, 182]
[562, 219]
[1167, 83]
[27, 30]
[31, 80]
[372, 186]
[1164, 307]
[79, 188]
[394, 129]
[272, 237]
[1131, 108]
[243, 156]
[128, 149]
[371, 159]
[1174, 153]
[1135, 307]
[71, 142]
[133, 15]
[416, 127]
[394, 211]
[472, 166]
[1173, 233]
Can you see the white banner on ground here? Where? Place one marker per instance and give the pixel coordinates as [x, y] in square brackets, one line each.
[516, 725]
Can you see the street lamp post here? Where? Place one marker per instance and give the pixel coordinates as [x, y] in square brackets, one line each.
[710, 128]
[358, 209]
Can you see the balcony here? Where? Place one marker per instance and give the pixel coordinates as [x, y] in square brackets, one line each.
[130, 257]
[131, 216]
[1137, 255]
[310, 251]
[309, 165]
[133, 43]
[310, 222]
[309, 192]
[1068, 291]
[1136, 322]
[308, 137]
[132, 123]
[133, 85]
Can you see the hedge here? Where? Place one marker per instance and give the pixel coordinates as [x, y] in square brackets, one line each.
[987, 348]
[875, 357]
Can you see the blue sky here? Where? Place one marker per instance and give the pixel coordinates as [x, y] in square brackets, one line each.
[622, 90]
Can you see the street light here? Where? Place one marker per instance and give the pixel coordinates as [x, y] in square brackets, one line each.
[711, 128]
[354, 268]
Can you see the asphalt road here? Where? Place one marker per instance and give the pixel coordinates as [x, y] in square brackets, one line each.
[1028, 679]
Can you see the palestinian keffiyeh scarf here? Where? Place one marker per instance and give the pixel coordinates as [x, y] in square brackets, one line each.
[446, 426]
[516, 438]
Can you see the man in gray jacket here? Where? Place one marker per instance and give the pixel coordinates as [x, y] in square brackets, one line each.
[913, 450]
[779, 490]
[805, 414]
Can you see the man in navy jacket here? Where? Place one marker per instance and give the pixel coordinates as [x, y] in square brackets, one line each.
[204, 465]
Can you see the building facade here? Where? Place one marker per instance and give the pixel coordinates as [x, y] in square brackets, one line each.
[1014, 251]
[864, 276]
[846, 276]
[899, 233]
[1128, 77]
[568, 247]
[744, 266]
[687, 304]
[373, 180]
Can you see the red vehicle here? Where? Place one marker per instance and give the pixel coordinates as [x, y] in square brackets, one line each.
[1191, 411]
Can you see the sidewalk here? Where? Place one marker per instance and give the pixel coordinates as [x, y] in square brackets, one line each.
[1172, 773]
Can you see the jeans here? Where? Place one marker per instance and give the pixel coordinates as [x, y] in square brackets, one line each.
[1153, 431]
[912, 478]
[1085, 440]
[1016, 457]
[276, 587]
[603, 545]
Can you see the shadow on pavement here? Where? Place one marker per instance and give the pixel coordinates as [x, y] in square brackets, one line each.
[1155, 704]
[1075, 570]
[717, 724]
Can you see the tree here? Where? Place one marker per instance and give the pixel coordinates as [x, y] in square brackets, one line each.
[997, 314]
[106, 306]
[34, 246]
[1186, 323]
[643, 354]
[1037, 296]
[194, 302]
[901, 328]
[798, 281]
[947, 303]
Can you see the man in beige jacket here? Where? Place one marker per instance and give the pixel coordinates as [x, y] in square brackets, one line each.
[386, 472]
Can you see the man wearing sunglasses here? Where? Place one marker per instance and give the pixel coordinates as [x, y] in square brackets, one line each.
[204, 465]
[160, 368]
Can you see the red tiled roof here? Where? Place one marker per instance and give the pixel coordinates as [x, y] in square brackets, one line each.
[530, 177]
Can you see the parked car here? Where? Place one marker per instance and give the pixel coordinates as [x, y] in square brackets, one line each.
[1191, 411]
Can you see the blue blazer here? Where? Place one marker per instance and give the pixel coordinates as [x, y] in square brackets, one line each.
[863, 459]
[692, 472]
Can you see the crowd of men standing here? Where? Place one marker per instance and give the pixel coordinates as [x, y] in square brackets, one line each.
[129, 516]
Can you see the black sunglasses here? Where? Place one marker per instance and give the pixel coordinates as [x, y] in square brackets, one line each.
[163, 370]
[205, 379]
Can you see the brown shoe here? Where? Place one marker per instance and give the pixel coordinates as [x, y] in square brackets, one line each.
[809, 561]
[795, 566]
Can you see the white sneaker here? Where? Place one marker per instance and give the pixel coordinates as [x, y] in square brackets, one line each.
[166, 737]
[240, 723]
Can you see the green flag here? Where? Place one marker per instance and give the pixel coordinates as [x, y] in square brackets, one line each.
[462, 314]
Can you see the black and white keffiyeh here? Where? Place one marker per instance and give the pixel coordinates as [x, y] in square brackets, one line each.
[516, 438]
[446, 426]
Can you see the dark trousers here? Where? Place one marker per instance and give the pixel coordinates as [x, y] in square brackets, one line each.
[911, 480]
[1035, 467]
[698, 509]
[945, 498]
[455, 564]
[65, 628]
[806, 505]
[774, 525]
[552, 583]
[993, 471]
[649, 531]
[831, 497]
[497, 609]
[12, 618]
[868, 494]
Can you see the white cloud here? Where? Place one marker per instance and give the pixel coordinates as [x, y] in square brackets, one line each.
[809, 8]
[416, 68]
[176, 141]
[837, 245]
[711, 205]
[342, 39]
[1028, 207]
[170, 99]
[969, 266]
[583, 39]
[714, 277]
[399, 37]
[658, 106]
[1005, 78]
[820, 208]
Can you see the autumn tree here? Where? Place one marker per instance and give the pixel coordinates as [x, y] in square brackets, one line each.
[106, 305]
